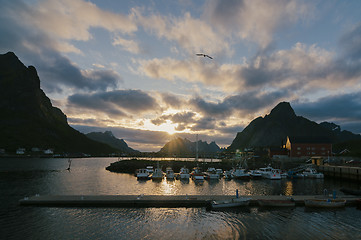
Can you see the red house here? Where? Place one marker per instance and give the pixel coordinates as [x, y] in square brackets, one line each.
[308, 146]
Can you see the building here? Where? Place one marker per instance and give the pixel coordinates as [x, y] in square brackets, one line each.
[277, 152]
[308, 146]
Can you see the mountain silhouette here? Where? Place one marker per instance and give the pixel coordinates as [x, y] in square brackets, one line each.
[28, 119]
[273, 129]
[183, 147]
[108, 138]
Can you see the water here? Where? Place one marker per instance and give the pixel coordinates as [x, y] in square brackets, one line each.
[27, 177]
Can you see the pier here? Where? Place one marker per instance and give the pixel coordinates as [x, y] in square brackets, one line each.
[167, 201]
[343, 172]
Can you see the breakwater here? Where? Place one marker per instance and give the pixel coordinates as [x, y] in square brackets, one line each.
[342, 172]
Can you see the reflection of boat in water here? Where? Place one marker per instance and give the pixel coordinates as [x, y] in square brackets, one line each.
[184, 173]
[235, 202]
[228, 174]
[142, 174]
[276, 203]
[325, 203]
[312, 173]
[169, 173]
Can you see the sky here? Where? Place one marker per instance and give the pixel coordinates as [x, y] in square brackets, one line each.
[131, 67]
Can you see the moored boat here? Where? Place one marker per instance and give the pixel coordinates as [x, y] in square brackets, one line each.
[270, 173]
[157, 173]
[312, 173]
[275, 203]
[211, 174]
[197, 174]
[325, 203]
[184, 173]
[235, 202]
[142, 174]
[255, 174]
[169, 173]
[240, 173]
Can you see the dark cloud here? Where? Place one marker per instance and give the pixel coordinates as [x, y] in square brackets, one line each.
[206, 123]
[350, 43]
[245, 103]
[116, 102]
[172, 100]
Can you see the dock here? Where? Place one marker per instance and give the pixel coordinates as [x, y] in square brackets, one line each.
[167, 201]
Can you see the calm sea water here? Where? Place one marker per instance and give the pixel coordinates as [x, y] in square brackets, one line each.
[27, 177]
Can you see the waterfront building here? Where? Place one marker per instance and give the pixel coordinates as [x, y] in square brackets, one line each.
[309, 146]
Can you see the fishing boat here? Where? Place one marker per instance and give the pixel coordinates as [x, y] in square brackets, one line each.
[255, 174]
[276, 203]
[157, 173]
[235, 202]
[325, 203]
[312, 173]
[169, 173]
[142, 174]
[270, 173]
[197, 174]
[211, 174]
[184, 173]
[240, 173]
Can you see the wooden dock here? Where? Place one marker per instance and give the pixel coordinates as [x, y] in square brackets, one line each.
[168, 201]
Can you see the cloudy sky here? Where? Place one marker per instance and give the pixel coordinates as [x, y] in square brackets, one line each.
[131, 66]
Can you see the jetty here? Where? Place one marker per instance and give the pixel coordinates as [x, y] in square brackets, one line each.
[167, 201]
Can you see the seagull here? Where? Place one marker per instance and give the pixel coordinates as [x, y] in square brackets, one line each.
[203, 55]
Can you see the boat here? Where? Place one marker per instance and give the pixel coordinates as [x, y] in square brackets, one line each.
[235, 202]
[240, 173]
[270, 173]
[325, 203]
[157, 173]
[219, 171]
[169, 173]
[142, 174]
[255, 174]
[197, 174]
[312, 173]
[184, 173]
[150, 169]
[276, 203]
[228, 174]
[211, 174]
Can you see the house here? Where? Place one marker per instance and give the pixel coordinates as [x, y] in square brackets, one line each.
[308, 146]
[20, 151]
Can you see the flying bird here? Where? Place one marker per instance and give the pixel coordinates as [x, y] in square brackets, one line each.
[203, 55]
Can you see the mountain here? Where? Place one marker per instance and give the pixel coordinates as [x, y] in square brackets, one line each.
[108, 138]
[184, 147]
[27, 117]
[273, 129]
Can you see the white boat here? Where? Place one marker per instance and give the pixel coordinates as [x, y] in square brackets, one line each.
[150, 169]
[235, 202]
[325, 203]
[240, 173]
[157, 174]
[211, 173]
[270, 173]
[169, 173]
[255, 174]
[184, 173]
[219, 172]
[197, 174]
[142, 173]
[312, 173]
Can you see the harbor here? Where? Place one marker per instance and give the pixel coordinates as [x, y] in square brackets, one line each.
[162, 201]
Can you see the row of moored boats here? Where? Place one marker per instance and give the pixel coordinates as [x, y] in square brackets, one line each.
[235, 173]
